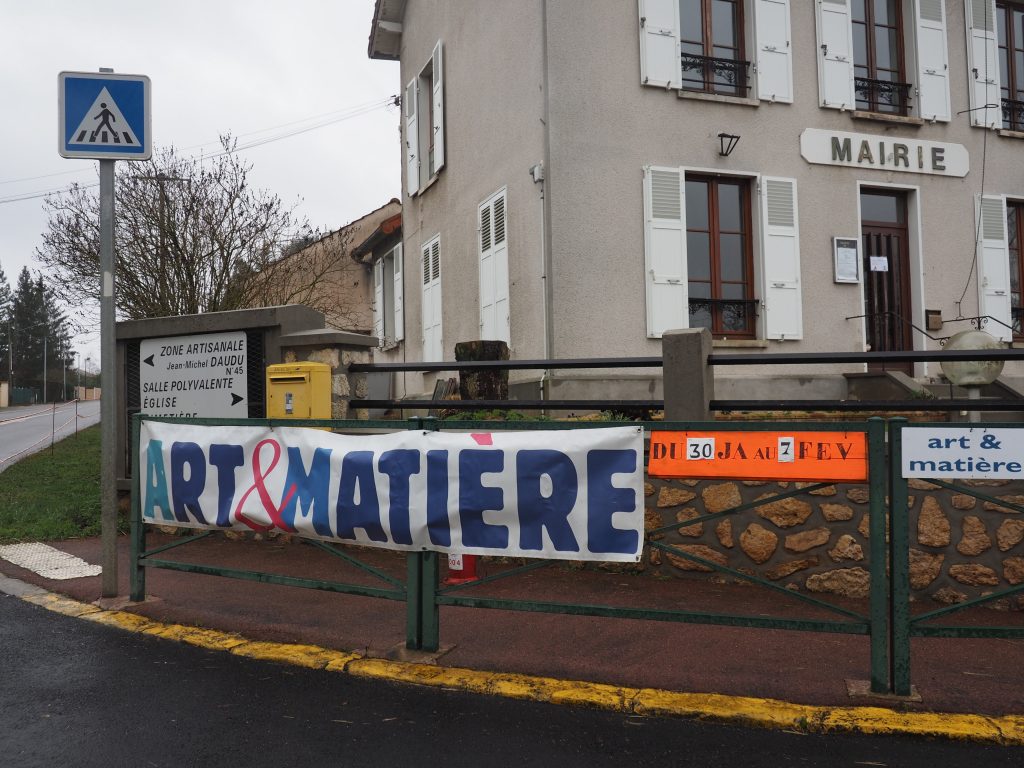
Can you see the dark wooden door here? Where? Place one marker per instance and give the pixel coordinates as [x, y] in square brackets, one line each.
[887, 306]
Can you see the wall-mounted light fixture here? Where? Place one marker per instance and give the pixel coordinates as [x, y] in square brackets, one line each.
[727, 143]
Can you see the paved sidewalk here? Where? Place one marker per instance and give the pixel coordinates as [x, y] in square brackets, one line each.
[982, 677]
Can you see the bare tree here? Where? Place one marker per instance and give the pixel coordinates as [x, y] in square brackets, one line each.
[192, 236]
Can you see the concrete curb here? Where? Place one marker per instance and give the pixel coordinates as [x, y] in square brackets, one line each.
[1006, 730]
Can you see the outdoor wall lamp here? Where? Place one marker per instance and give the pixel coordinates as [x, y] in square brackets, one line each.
[727, 143]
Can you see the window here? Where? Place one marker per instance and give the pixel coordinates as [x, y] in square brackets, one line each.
[711, 42]
[388, 309]
[430, 263]
[718, 248]
[1015, 243]
[886, 57]
[494, 294]
[424, 124]
[703, 266]
[996, 63]
[1010, 25]
[715, 46]
[878, 56]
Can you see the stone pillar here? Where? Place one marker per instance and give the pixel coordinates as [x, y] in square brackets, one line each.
[689, 382]
[482, 385]
[338, 349]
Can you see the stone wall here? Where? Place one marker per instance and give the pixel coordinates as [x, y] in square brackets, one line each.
[339, 350]
[960, 547]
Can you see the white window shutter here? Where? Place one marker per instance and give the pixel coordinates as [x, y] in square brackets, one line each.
[486, 271]
[983, 63]
[835, 54]
[431, 310]
[660, 64]
[994, 266]
[774, 52]
[502, 314]
[668, 305]
[494, 283]
[412, 138]
[783, 313]
[378, 301]
[932, 60]
[438, 96]
[399, 295]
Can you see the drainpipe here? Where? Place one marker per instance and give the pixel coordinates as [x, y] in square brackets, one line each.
[549, 331]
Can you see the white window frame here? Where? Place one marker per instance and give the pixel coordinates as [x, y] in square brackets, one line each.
[926, 57]
[776, 250]
[768, 48]
[424, 98]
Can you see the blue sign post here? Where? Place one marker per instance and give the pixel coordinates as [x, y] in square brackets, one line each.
[103, 116]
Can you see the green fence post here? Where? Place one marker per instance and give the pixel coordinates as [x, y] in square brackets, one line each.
[879, 595]
[899, 563]
[413, 596]
[137, 573]
[430, 624]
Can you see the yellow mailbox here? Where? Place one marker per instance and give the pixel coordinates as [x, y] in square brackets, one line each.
[299, 391]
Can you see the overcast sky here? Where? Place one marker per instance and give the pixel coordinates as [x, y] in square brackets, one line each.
[257, 68]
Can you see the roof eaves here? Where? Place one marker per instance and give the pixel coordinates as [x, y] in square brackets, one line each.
[386, 30]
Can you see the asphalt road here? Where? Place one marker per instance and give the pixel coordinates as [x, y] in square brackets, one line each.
[26, 430]
[73, 693]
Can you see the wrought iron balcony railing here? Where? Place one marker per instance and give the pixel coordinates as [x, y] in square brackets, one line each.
[882, 96]
[724, 315]
[1013, 115]
[714, 75]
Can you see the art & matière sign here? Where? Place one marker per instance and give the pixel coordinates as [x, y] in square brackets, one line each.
[963, 452]
[202, 375]
[760, 455]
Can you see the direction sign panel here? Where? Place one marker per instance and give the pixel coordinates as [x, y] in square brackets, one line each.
[203, 375]
[103, 116]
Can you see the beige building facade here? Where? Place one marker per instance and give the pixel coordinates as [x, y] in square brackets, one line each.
[569, 184]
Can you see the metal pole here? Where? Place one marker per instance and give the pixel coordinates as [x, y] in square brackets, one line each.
[973, 393]
[45, 333]
[108, 404]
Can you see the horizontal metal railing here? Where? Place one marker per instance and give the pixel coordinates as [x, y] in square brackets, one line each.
[713, 359]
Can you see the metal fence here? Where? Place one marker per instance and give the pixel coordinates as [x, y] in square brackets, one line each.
[885, 620]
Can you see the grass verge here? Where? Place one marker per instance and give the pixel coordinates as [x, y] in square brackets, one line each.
[47, 496]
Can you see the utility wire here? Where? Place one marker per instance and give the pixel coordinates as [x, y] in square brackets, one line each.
[346, 114]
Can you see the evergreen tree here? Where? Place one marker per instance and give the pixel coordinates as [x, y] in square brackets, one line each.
[59, 353]
[27, 320]
[5, 325]
[41, 337]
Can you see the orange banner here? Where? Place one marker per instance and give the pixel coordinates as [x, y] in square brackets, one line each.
[760, 455]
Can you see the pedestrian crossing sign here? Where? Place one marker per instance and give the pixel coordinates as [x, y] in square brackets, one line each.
[103, 116]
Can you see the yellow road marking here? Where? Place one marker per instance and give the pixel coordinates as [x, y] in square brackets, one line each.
[741, 710]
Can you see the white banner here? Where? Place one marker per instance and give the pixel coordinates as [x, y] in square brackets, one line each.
[496, 493]
[963, 452]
